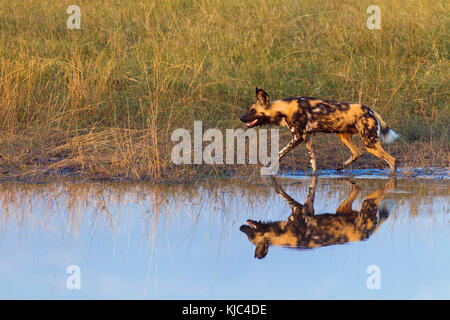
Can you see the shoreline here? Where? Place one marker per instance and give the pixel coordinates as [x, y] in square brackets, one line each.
[430, 174]
[97, 165]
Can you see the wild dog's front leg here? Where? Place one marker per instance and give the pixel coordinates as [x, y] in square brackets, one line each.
[290, 201]
[309, 203]
[312, 156]
[296, 140]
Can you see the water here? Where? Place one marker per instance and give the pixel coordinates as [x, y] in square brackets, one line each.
[136, 241]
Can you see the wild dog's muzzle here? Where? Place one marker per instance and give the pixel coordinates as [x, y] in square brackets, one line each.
[250, 228]
[250, 119]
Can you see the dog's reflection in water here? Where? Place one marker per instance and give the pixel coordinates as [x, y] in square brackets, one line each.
[304, 230]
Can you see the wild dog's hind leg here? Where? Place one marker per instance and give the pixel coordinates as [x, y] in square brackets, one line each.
[346, 138]
[371, 215]
[368, 130]
[312, 156]
[379, 194]
[379, 152]
[346, 206]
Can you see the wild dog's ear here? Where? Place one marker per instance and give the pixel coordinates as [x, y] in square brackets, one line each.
[262, 96]
[261, 249]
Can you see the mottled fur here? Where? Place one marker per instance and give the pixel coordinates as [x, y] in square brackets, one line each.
[304, 116]
[304, 230]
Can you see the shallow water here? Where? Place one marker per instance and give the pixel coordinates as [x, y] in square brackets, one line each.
[134, 241]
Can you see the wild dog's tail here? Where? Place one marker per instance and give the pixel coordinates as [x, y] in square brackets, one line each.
[386, 134]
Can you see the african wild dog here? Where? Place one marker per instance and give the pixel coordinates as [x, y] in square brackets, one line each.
[304, 230]
[304, 116]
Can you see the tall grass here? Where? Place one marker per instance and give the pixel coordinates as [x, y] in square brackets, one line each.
[105, 99]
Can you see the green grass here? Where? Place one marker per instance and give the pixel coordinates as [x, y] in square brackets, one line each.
[105, 99]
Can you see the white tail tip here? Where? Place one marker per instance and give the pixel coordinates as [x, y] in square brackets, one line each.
[384, 210]
[390, 136]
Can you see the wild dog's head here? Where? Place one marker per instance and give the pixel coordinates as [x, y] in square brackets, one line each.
[260, 234]
[259, 112]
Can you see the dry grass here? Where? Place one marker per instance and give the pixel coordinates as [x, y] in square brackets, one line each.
[104, 100]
